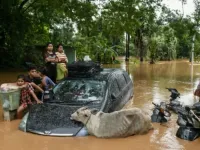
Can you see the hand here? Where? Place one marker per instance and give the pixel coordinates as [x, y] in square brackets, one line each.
[47, 60]
[39, 102]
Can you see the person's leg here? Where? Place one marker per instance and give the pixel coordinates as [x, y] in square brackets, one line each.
[64, 71]
[53, 73]
[58, 71]
[20, 111]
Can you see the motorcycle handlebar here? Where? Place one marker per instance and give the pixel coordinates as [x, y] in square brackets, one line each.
[181, 112]
[154, 104]
[172, 90]
[188, 109]
[196, 117]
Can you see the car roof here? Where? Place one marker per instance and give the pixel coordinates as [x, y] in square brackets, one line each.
[102, 75]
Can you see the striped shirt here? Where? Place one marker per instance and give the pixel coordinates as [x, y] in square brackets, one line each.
[62, 58]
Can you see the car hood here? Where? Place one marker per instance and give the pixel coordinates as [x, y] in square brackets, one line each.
[52, 120]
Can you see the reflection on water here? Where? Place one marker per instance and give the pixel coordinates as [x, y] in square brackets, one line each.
[150, 82]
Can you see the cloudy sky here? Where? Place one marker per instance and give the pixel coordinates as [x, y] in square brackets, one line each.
[176, 4]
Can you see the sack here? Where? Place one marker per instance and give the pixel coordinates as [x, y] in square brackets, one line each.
[84, 69]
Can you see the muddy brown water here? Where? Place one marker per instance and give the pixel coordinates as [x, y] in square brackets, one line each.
[150, 82]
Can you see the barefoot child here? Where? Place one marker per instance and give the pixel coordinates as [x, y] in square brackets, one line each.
[26, 92]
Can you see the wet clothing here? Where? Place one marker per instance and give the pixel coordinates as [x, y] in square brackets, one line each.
[51, 66]
[25, 98]
[61, 65]
[49, 83]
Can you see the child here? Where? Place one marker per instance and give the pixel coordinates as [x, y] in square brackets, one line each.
[62, 63]
[26, 92]
[35, 80]
[47, 83]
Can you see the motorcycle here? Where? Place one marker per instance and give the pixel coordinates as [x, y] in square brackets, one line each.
[160, 113]
[174, 104]
[196, 108]
[189, 124]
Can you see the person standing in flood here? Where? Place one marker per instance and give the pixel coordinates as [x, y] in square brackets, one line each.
[62, 63]
[50, 60]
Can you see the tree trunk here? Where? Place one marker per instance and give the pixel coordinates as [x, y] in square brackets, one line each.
[141, 48]
[139, 44]
[127, 46]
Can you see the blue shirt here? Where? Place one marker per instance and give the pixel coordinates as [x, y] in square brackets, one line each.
[48, 83]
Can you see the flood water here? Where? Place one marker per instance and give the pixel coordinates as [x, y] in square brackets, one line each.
[150, 82]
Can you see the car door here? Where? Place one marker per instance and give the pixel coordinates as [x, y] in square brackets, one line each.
[113, 94]
[123, 90]
[129, 85]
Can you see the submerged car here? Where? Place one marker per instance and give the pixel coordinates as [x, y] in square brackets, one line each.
[108, 91]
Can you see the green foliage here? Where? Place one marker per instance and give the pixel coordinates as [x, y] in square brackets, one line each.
[163, 46]
[94, 32]
[96, 47]
[134, 60]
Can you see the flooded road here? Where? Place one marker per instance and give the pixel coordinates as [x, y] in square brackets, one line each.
[150, 82]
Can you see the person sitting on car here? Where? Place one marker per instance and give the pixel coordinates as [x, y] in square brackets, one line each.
[33, 77]
[47, 83]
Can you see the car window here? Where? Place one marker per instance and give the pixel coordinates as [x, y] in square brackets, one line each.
[80, 90]
[121, 81]
[114, 88]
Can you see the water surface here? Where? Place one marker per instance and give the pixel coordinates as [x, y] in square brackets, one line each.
[150, 82]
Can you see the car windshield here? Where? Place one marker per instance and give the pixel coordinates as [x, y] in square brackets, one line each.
[79, 91]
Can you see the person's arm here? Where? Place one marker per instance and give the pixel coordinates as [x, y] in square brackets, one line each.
[57, 59]
[51, 59]
[37, 87]
[31, 91]
[35, 97]
[48, 59]
[65, 59]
